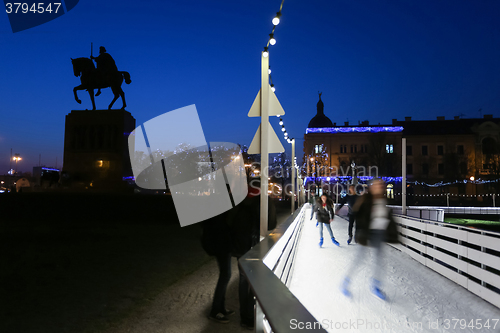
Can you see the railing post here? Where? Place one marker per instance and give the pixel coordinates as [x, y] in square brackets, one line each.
[434, 246]
[483, 266]
[459, 256]
[421, 241]
[259, 318]
[403, 184]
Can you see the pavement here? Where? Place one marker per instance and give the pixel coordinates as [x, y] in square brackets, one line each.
[184, 306]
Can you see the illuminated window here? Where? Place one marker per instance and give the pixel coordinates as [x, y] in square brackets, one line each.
[390, 191]
[318, 149]
[389, 149]
[100, 164]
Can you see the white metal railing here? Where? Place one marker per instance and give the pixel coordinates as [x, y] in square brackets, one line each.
[436, 213]
[422, 212]
[268, 267]
[280, 258]
[467, 256]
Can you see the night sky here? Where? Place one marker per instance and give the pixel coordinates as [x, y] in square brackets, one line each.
[373, 60]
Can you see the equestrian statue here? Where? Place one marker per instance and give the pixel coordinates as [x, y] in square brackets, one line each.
[105, 75]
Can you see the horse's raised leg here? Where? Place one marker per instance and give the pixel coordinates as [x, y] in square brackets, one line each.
[114, 99]
[116, 95]
[91, 93]
[76, 95]
[122, 95]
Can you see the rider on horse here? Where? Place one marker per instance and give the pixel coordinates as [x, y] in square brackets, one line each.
[106, 66]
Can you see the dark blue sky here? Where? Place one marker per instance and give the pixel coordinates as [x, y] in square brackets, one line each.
[373, 60]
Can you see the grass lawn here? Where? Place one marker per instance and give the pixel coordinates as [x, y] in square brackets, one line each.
[470, 222]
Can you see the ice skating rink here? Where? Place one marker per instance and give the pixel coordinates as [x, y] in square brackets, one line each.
[418, 299]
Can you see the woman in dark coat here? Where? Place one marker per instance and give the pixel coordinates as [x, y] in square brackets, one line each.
[375, 225]
[324, 215]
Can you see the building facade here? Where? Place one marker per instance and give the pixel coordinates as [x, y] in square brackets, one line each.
[443, 156]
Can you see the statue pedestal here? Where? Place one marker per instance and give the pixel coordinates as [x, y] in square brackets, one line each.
[96, 151]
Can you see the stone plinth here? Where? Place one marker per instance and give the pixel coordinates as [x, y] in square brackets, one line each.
[96, 148]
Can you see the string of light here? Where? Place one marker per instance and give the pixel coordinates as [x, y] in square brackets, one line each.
[399, 179]
[465, 181]
[450, 194]
[272, 41]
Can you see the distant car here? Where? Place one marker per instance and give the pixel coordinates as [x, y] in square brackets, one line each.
[4, 190]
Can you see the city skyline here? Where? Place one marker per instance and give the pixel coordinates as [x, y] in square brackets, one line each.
[372, 61]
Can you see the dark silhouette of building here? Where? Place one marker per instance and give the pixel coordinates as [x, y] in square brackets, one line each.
[320, 120]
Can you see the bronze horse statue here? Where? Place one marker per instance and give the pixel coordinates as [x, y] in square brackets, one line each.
[92, 79]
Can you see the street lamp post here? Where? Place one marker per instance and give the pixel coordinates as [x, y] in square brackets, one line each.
[293, 176]
[16, 158]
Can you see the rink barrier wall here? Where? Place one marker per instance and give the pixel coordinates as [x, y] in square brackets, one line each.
[422, 212]
[470, 257]
[268, 266]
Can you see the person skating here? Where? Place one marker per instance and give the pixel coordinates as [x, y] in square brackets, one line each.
[324, 215]
[375, 225]
[349, 199]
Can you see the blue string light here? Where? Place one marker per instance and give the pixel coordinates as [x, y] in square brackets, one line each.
[370, 129]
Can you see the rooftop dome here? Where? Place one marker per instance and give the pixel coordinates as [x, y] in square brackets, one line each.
[320, 120]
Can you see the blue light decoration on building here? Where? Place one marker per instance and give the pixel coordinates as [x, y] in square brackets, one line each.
[365, 179]
[340, 179]
[368, 129]
[50, 169]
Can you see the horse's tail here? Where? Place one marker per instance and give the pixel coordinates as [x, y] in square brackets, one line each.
[126, 76]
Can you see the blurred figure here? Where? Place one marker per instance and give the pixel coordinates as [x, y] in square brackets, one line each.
[234, 233]
[244, 222]
[216, 241]
[349, 199]
[324, 215]
[374, 226]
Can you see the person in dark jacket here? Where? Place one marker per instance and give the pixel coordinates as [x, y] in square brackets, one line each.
[215, 240]
[349, 199]
[375, 225]
[234, 233]
[324, 215]
[244, 220]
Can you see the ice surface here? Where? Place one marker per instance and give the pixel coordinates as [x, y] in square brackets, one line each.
[417, 296]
